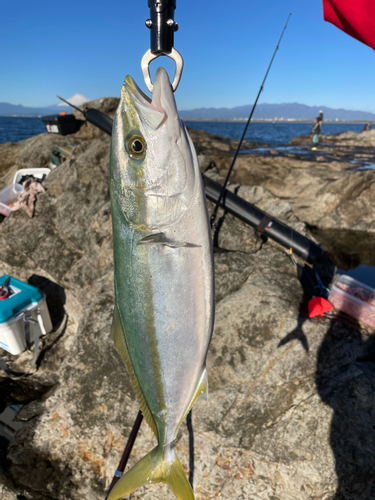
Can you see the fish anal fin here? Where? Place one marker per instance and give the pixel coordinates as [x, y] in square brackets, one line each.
[155, 467]
[201, 392]
[117, 334]
[162, 239]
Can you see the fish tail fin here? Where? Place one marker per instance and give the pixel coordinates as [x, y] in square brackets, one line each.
[178, 482]
[157, 466]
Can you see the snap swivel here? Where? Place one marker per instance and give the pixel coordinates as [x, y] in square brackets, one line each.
[149, 56]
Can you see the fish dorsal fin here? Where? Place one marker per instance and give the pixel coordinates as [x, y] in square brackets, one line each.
[117, 334]
[162, 239]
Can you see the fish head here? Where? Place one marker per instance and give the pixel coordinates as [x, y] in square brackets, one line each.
[153, 171]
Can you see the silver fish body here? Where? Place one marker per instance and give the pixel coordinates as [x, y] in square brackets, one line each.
[164, 274]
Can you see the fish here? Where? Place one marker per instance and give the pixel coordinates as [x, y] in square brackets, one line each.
[163, 273]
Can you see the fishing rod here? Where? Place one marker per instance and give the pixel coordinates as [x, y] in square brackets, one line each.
[70, 104]
[214, 213]
[125, 456]
[95, 117]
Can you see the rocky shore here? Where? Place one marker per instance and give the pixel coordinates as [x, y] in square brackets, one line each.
[291, 408]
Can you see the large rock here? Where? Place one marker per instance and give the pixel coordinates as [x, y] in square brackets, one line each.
[106, 105]
[30, 153]
[291, 407]
[363, 139]
[321, 189]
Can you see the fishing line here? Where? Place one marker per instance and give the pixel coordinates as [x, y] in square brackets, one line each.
[189, 424]
[214, 213]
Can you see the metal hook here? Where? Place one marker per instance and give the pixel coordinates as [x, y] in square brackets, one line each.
[145, 65]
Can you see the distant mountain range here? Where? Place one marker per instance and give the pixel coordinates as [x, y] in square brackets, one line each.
[286, 111]
[19, 110]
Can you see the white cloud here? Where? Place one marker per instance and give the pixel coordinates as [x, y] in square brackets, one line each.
[76, 99]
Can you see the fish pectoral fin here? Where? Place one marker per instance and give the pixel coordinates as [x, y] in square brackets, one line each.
[162, 239]
[117, 334]
[155, 468]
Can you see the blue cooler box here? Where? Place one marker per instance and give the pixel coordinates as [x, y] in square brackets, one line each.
[24, 304]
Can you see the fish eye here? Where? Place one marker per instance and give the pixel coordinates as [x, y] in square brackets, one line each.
[136, 146]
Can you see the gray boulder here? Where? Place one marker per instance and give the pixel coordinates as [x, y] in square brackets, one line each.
[291, 406]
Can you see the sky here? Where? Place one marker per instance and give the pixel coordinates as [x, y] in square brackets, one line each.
[51, 47]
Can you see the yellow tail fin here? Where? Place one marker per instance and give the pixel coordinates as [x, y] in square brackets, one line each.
[157, 466]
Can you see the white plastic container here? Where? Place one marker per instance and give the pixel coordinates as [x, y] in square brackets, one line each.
[12, 332]
[36, 172]
[8, 197]
[354, 298]
[26, 304]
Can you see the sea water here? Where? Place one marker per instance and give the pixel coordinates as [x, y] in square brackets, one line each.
[17, 128]
[274, 134]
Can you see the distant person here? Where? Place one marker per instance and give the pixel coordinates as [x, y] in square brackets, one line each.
[366, 127]
[321, 115]
[316, 131]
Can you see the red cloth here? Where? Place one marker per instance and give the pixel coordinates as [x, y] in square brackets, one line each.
[355, 17]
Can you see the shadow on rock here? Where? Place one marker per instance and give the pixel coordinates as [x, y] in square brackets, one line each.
[308, 291]
[345, 379]
[55, 297]
[44, 479]
[311, 286]
[297, 333]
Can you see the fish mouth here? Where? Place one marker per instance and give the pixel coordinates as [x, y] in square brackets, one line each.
[152, 112]
[138, 106]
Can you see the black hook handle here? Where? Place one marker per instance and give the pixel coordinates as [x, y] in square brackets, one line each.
[162, 25]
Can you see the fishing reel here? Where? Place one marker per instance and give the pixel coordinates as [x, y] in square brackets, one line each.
[162, 28]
